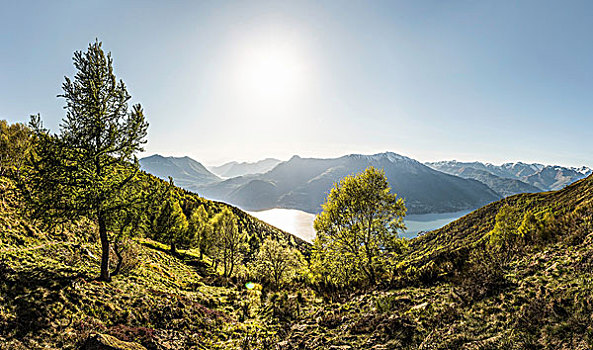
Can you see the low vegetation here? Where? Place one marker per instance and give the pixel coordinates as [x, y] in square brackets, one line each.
[110, 254]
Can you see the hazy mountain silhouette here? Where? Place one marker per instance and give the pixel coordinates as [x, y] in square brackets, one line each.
[186, 172]
[303, 183]
[234, 169]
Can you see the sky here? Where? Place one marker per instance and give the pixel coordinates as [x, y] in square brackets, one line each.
[494, 81]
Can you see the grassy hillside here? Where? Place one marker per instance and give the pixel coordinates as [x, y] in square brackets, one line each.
[471, 231]
[49, 296]
[448, 292]
[544, 302]
[452, 292]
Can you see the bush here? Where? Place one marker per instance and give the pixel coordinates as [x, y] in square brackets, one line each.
[579, 224]
[485, 275]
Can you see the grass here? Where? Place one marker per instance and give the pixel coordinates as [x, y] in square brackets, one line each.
[541, 299]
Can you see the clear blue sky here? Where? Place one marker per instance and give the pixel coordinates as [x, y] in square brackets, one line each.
[469, 80]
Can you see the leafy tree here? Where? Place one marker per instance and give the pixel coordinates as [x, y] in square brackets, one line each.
[549, 226]
[84, 168]
[200, 230]
[529, 228]
[133, 217]
[15, 145]
[357, 232]
[229, 242]
[171, 224]
[505, 233]
[275, 263]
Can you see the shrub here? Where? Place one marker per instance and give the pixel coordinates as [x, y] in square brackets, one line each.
[485, 275]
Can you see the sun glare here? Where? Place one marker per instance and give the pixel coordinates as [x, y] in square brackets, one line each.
[270, 74]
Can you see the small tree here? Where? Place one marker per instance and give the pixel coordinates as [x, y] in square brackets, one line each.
[549, 226]
[529, 228]
[229, 243]
[15, 146]
[357, 232]
[133, 218]
[200, 230]
[276, 264]
[505, 233]
[171, 224]
[81, 170]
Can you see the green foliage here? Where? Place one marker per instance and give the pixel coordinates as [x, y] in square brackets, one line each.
[171, 224]
[229, 242]
[15, 145]
[84, 169]
[357, 232]
[529, 227]
[200, 230]
[505, 233]
[276, 264]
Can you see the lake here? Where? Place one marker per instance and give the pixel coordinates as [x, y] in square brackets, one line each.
[300, 223]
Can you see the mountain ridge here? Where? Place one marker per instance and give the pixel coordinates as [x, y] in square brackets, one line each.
[185, 171]
[302, 183]
[544, 177]
[234, 168]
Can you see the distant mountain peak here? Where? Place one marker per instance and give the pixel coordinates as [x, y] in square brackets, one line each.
[389, 156]
[185, 171]
[393, 157]
[544, 177]
[235, 169]
[303, 183]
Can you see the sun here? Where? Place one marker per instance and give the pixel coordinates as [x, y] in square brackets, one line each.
[271, 74]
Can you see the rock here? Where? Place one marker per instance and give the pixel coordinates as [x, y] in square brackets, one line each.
[107, 342]
[420, 306]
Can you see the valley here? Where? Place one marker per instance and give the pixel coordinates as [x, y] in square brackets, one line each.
[288, 194]
[300, 223]
[296, 175]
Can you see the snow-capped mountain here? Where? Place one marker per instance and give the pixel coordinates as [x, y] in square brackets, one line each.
[303, 183]
[544, 177]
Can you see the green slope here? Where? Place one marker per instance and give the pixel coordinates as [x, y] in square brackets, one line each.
[472, 230]
[451, 294]
[447, 294]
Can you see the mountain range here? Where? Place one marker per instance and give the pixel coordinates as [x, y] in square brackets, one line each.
[234, 169]
[531, 177]
[303, 183]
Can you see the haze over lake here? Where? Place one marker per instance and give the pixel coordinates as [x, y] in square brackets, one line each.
[297, 222]
[300, 223]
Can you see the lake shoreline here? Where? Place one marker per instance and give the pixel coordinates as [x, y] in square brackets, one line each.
[300, 223]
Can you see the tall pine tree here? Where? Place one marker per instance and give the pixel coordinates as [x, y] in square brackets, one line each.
[85, 168]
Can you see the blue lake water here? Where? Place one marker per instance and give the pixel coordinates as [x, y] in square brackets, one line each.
[300, 223]
[427, 222]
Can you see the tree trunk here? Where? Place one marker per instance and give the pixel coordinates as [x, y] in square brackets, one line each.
[225, 268]
[173, 248]
[120, 259]
[105, 275]
[231, 267]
